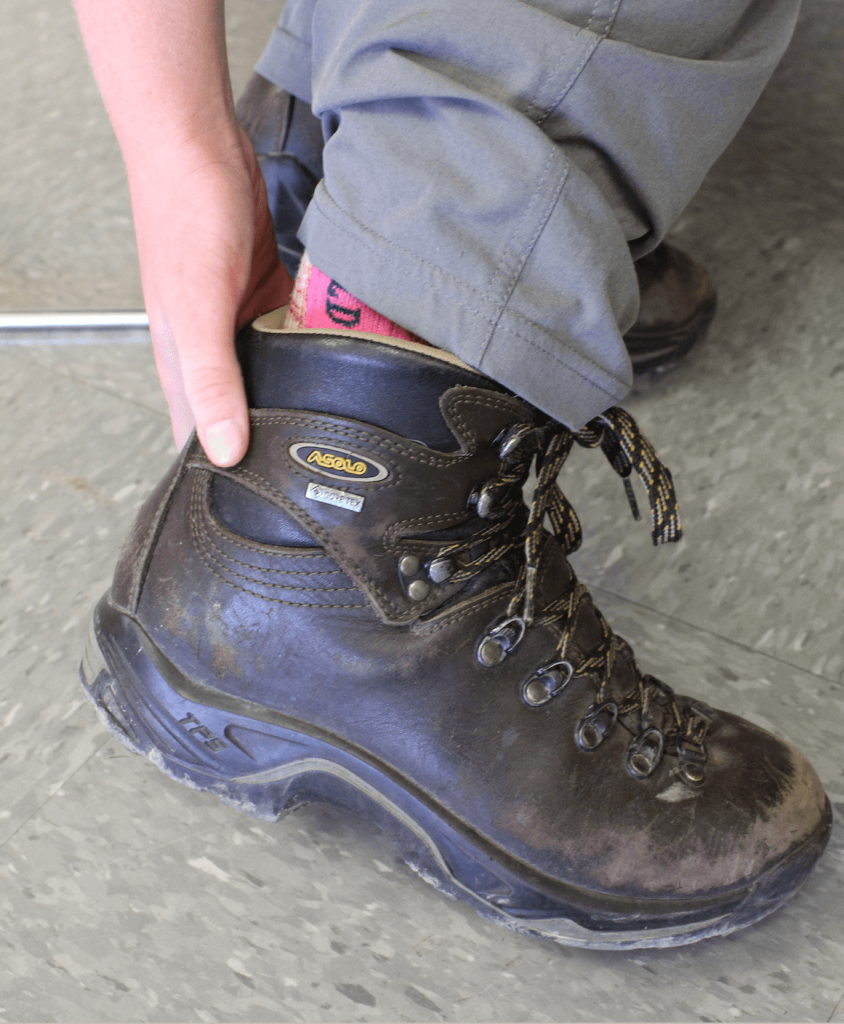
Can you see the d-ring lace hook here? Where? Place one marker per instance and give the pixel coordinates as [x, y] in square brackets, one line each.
[546, 683]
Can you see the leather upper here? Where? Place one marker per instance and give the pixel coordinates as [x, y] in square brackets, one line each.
[329, 636]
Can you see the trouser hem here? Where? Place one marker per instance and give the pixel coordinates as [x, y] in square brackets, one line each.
[542, 367]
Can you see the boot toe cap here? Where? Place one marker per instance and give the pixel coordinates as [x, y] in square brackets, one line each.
[760, 807]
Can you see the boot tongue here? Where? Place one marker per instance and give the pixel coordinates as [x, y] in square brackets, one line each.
[395, 386]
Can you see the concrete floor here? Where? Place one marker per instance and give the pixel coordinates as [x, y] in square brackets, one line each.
[124, 897]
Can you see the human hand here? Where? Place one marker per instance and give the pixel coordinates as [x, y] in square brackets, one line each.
[206, 244]
[209, 265]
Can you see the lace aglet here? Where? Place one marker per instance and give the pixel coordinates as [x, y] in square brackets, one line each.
[631, 497]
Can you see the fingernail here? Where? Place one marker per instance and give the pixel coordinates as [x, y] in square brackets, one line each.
[223, 442]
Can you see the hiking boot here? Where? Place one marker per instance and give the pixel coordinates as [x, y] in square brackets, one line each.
[365, 611]
[677, 304]
[677, 301]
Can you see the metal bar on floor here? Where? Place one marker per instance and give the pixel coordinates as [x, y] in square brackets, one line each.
[81, 320]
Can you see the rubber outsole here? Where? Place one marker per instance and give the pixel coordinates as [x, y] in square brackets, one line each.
[272, 768]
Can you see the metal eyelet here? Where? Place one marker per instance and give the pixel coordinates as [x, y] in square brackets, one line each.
[691, 765]
[693, 774]
[546, 683]
[441, 570]
[409, 565]
[645, 753]
[596, 725]
[418, 590]
[512, 438]
[485, 505]
[494, 647]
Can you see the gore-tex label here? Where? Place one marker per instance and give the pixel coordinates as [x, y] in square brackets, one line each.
[334, 496]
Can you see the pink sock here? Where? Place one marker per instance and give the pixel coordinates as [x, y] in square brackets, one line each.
[318, 301]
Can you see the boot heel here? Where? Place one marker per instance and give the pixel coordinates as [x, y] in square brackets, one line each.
[201, 747]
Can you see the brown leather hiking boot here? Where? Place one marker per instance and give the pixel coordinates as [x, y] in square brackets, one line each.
[365, 611]
[677, 304]
[677, 301]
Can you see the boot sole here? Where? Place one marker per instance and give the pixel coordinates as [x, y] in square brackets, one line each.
[183, 727]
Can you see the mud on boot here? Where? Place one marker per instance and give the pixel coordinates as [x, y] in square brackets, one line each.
[365, 611]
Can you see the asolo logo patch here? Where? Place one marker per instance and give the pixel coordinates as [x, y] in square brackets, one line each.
[338, 463]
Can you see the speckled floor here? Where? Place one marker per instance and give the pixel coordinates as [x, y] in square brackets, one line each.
[124, 897]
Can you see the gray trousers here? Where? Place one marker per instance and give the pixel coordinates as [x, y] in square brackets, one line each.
[493, 167]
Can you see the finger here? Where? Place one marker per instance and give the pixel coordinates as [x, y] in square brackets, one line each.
[200, 375]
[170, 375]
[199, 372]
[213, 387]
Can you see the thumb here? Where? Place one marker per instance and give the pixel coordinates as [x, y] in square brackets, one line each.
[203, 385]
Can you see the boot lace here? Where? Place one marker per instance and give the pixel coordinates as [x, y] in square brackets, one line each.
[660, 721]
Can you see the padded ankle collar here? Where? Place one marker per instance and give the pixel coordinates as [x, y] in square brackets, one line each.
[393, 386]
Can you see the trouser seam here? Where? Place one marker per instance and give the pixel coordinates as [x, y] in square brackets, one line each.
[599, 38]
[521, 259]
[505, 298]
[510, 281]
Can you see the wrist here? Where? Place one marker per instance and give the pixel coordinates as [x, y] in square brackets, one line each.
[162, 69]
[198, 148]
